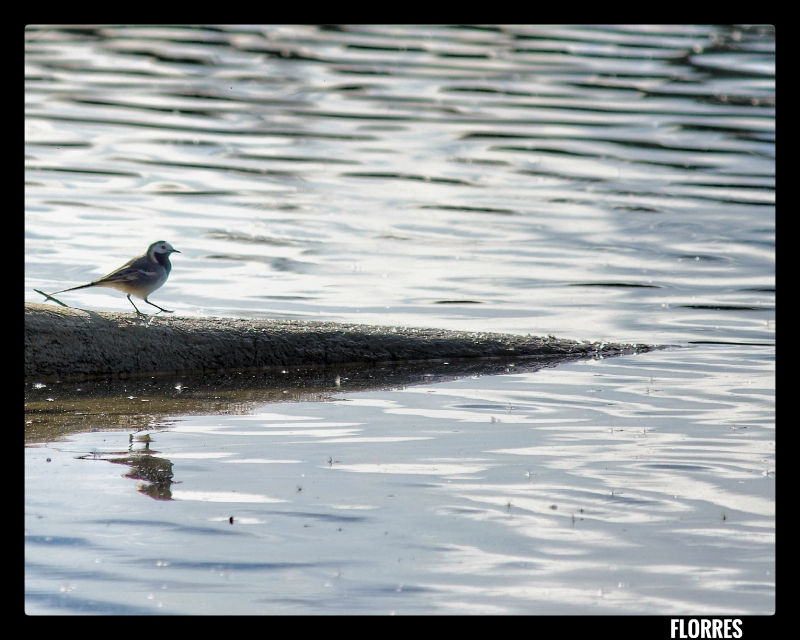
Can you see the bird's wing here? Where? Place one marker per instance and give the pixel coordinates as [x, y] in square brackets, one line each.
[135, 269]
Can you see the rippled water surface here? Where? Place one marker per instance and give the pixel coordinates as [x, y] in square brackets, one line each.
[595, 183]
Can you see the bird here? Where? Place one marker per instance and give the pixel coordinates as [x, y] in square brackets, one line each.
[140, 276]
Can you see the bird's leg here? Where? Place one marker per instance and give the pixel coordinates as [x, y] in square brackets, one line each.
[156, 306]
[134, 306]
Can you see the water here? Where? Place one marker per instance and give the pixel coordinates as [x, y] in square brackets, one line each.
[595, 183]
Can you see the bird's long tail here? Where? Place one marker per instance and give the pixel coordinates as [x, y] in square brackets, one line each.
[83, 286]
[50, 297]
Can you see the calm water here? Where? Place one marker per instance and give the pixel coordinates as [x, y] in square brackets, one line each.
[608, 183]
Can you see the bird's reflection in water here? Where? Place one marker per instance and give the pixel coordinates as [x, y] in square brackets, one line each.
[155, 471]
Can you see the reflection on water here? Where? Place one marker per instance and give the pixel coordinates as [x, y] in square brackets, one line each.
[595, 183]
[630, 485]
[58, 408]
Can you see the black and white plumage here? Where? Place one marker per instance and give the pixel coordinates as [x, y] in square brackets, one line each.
[139, 276]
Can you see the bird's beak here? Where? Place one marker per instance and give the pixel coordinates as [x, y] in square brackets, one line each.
[174, 251]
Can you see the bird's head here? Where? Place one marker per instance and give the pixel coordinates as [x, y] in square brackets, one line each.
[161, 247]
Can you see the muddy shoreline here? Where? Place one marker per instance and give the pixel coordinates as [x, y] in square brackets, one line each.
[74, 344]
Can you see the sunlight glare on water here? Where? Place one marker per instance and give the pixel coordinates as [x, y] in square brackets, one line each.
[376, 173]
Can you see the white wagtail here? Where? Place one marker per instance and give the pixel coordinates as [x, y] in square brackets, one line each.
[139, 277]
